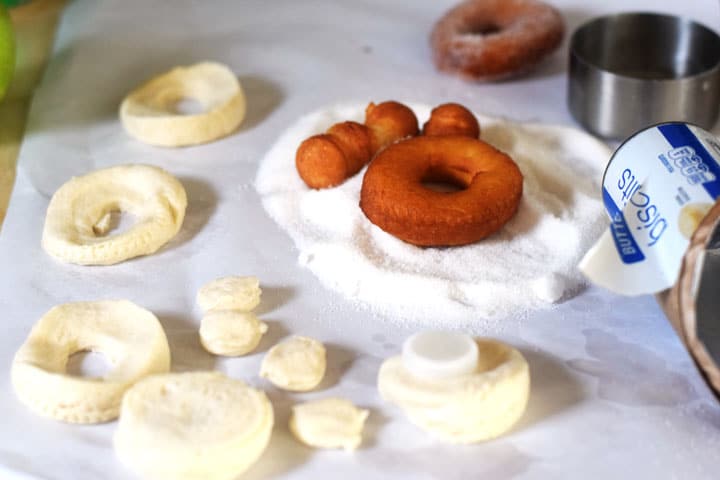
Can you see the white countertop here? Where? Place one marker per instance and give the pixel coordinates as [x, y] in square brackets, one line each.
[615, 394]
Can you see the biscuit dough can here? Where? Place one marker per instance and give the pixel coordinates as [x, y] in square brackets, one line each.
[660, 190]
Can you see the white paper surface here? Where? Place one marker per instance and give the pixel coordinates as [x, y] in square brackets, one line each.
[615, 395]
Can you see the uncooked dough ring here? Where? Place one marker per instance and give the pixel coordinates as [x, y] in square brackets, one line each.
[394, 198]
[129, 336]
[149, 113]
[79, 210]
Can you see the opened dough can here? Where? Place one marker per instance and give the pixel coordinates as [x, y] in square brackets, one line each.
[660, 190]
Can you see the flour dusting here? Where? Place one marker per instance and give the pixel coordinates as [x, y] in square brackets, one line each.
[529, 264]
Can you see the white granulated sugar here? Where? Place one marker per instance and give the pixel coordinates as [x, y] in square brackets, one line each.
[529, 264]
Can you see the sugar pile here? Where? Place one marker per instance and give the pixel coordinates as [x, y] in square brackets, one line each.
[529, 264]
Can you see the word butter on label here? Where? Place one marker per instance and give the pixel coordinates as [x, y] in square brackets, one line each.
[657, 187]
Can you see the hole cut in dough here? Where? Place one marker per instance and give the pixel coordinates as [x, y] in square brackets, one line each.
[88, 364]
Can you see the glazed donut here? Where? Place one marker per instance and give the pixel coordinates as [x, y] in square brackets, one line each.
[451, 119]
[394, 198]
[328, 159]
[495, 39]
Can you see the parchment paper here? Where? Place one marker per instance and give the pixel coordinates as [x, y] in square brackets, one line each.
[615, 395]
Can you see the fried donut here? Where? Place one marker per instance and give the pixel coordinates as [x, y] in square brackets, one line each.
[451, 119]
[495, 39]
[394, 198]
[328, 159]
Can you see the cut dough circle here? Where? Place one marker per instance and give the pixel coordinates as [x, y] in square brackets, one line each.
[231, 332]
[192, 426]
[150, 114]
[78, 214]
[296, 364]
[129, 336]
[328, 423]
[230, 293]
[466, 408]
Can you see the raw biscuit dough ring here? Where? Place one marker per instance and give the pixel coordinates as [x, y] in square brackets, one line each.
[77, 215]
[149, 113]
[394, 198]
[130, 337]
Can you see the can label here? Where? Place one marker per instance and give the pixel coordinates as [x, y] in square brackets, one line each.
[657, 187]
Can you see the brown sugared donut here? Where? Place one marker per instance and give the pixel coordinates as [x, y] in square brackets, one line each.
[494, 39]
[394, 198]
[451, 119]
[326, 160]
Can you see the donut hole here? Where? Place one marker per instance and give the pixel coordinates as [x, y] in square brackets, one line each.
[114, 222]
[444, 180]
[89, 364]
[189, 106]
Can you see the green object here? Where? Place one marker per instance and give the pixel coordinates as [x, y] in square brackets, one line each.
[7, 51]
[13, 3]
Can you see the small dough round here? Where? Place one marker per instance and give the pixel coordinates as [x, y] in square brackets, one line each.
[230, 293]
[467, 408]
[130, 337]
[328, 423]
[192, 426]
[297, 364]
[231, 332]
[77, 217]
[690, 217]
[150, 114]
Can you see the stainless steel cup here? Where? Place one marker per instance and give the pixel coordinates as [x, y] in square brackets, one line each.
[633, 70]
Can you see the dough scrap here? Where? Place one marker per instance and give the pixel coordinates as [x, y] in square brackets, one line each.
[297, 364]
[230, 293]
[231, 332]
[193, 426]
[149, 113]
[129, 336]
[78, 215]
[467, 408]
[328, 423]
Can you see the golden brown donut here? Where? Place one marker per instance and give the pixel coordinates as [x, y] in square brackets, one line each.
[451, 119]
[495, 39]
[394, 198]
[326, 160]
